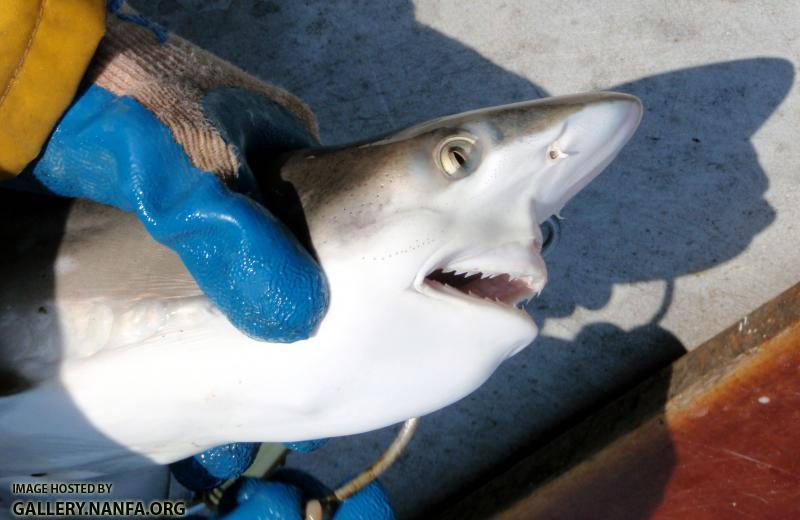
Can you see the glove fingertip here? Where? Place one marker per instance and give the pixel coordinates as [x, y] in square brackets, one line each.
[251, 498]
[211, 468]
[291, 309]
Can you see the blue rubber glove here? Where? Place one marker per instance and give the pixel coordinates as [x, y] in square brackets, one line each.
[215, 466]
[305, 446]
[211, 468]
[113, 150]
[284, 497]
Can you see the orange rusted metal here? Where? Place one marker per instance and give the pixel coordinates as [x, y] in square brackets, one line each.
[714, 436]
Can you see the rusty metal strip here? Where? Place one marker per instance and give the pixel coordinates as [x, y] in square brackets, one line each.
[715, 435]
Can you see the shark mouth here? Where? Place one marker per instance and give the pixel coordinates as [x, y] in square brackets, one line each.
[500, 288]
[510, 275]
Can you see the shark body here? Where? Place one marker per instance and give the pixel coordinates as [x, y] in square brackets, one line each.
[431, 243]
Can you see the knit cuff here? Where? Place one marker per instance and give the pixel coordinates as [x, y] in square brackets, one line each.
[169, 76]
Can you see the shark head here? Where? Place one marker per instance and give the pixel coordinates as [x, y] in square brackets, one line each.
[432, 244]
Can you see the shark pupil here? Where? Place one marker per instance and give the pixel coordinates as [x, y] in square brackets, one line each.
[459, 156]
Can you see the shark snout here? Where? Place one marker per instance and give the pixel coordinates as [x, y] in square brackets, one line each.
[584, 142]
[604, 126]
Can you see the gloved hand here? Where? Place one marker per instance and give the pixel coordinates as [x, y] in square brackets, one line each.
[284, 497]
[160, 128]
[211, 468]
[214, 466]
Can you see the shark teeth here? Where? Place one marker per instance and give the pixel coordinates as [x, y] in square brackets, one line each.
[514, 290]
[508, 274]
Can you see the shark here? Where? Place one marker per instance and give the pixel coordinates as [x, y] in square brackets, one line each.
[430, 238]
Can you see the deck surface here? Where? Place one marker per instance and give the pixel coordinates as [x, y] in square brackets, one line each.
[716, 435]
[692, 227]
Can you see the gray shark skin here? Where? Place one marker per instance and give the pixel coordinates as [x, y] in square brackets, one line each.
[112, 358]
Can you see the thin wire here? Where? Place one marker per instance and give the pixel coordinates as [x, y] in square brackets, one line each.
[315, 508]
[381, 464]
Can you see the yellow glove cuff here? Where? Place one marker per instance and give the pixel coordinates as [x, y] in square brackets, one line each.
[46, 48]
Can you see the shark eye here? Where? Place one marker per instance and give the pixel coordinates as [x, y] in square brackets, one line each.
[457, 156]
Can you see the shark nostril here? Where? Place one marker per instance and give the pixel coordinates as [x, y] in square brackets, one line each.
[555, 152]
